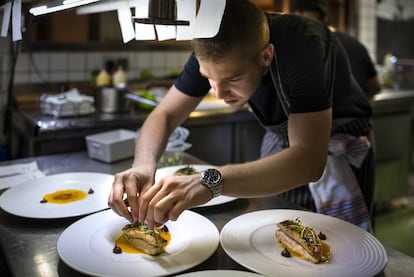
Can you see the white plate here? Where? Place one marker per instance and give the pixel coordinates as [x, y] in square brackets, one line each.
[24, 199]
[87, 245]
[170, 170]
[220, 273]
[249, 240]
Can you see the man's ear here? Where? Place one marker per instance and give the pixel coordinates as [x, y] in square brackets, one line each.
[267, 54]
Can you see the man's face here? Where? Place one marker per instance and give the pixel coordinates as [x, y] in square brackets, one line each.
[233, 79]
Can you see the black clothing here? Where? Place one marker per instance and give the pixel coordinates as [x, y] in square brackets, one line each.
[302, 48]
[315, 74]
[361, 64]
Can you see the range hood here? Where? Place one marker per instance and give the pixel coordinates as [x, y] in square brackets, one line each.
[150, 19]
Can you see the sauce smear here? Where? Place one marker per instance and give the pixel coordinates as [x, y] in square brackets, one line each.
[65, 196]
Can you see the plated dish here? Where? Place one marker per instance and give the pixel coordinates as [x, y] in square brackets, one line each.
[96, 186]
[355, 252]
[170, 170]
[220, 273]
[87, 246]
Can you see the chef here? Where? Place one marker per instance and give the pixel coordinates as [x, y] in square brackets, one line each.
[293, 75]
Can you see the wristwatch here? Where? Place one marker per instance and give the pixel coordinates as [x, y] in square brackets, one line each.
[212, 179]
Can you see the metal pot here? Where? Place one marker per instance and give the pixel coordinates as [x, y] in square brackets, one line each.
[111, 100]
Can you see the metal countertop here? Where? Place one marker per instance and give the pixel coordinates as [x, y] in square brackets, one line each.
[29, 245]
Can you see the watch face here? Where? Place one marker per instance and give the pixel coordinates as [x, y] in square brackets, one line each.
[212, 179]
[211, 176]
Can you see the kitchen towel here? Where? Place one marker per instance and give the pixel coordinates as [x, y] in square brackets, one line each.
[337, 193]
[12, 175]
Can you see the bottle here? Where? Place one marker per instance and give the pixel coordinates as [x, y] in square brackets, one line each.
[120, 78]
[103, 79]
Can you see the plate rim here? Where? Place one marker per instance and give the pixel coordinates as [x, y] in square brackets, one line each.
[214, 272]
[110, 215]
[39, 181]
[228, 226]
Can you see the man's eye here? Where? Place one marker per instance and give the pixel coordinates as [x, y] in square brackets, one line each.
[235, 79]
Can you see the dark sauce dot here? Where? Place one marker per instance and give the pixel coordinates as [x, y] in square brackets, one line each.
[43, 201]
[117, 249]
[165, 229]
[322, 236]
[286, 253]
[91, 191]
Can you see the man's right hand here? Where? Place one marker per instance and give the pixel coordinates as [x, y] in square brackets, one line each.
[132, 183]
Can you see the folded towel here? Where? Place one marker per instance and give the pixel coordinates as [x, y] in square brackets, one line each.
[337, 193]
[16, 174]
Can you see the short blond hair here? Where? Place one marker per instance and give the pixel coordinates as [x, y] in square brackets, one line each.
[244, 30]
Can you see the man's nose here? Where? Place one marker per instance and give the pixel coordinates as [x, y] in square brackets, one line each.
[220, 90]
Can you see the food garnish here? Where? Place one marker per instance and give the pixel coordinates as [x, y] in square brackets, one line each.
[302, 241]
[138, 238]
[187, 170]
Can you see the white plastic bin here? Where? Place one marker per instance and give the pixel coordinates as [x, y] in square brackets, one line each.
[111, 146]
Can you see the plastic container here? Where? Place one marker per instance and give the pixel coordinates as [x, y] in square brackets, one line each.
[111, 100]
[111, 146]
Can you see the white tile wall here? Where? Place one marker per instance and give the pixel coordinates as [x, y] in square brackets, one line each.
[367, 25]
[78, 66]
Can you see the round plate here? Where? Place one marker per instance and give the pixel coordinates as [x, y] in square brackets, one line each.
[24, 199]
[87, 245]
[220, 273]
[355, 252]
[170, 170]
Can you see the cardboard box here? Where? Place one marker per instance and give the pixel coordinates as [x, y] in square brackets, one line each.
[111, 146]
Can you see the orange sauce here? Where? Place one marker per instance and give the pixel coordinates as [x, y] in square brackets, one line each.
[326, 251]
[127, 248]
[65, 196]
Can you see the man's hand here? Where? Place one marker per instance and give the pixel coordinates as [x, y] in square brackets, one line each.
[169, 197]
[133, 182]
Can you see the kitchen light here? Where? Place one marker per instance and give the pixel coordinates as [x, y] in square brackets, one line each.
[153, 19]
[59, 6]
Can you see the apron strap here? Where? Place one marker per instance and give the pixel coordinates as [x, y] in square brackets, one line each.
[277, 82]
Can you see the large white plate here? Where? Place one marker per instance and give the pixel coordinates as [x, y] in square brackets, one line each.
[249, 240]
[220, 273]
[170, 170]
[87, 245]
[24, 199]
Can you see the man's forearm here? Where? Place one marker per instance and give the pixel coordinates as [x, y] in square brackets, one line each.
[151, 140]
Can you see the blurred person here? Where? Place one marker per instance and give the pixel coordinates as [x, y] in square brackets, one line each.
[295, 77]
[362, 66]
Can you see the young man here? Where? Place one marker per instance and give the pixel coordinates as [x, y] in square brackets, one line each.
[295, 78]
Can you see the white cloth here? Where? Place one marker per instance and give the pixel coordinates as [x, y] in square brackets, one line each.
[337, 193]
[12, 175]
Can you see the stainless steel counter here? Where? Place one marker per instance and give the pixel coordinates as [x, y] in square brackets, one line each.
[234, 134]
[29, 246]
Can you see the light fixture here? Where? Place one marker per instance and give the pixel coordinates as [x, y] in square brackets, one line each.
[58, 6]
[162, 12]
[153, 19]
